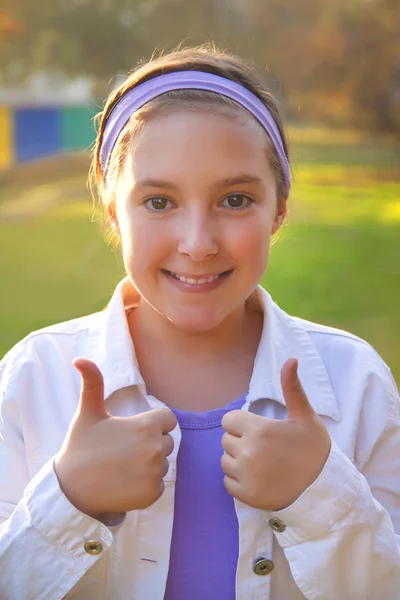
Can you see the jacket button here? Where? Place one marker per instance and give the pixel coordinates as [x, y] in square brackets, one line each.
[277, 525]
[263, 566]
[93, 547]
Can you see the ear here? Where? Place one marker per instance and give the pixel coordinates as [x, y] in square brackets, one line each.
[280, 215]
[113, 218]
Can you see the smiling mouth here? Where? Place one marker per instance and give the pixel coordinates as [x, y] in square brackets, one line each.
[197, 281]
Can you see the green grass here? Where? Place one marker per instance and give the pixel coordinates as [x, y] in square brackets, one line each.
[342, 276]
[337, 262]
[56, 266]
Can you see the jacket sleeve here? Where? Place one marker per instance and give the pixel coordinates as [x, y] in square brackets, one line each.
[342, 536]
[42, 535]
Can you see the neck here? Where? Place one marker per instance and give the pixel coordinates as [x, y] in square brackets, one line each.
[227, 339]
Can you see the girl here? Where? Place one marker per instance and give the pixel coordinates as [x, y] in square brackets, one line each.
[277, 484]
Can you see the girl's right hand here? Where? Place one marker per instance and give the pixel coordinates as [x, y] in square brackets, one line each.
[112, 464]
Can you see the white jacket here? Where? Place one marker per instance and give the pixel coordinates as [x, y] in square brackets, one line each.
[341, 540]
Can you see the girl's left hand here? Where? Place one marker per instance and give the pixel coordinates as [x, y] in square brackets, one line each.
[269, 463]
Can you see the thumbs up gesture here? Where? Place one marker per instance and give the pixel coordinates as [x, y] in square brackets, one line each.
[112, 464]
[269, 463]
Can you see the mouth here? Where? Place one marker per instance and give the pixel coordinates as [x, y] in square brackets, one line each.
[197, 279]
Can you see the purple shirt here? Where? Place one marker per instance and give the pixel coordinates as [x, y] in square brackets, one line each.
[205, 545]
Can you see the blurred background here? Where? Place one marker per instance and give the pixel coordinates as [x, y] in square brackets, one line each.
[335, 67]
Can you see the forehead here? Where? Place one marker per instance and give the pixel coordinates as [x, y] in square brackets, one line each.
[206, 141]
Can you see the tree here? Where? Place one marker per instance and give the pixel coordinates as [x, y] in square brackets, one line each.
[9, 27]
[372, 81]
[79, 37]
[334, 61]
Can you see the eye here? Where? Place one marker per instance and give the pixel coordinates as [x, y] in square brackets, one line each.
[157, 204]
[237, 201]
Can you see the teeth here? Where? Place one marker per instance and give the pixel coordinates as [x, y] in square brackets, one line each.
[192, 281]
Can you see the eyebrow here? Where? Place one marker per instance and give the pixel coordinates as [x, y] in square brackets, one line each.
[227, 182]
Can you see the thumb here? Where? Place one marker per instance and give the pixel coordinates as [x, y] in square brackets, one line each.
[296, 400]
[91, 402]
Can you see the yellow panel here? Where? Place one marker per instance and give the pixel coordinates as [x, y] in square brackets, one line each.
[6, 137]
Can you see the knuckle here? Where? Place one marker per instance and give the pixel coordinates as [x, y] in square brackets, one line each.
[225, 422]
[228, 485]
[169, 445]
[248, 454]
[156, 452]
[92, 385]
[172, 421]
[161, 488]
[165, 468]
[141, 425]
[224, 439]
[145, 424]
[224, 462]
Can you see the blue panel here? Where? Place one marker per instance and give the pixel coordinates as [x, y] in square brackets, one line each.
[36, 132]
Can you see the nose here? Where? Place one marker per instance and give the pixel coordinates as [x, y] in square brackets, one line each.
[197, 239]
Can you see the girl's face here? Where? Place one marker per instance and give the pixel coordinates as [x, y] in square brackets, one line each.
[197, 200]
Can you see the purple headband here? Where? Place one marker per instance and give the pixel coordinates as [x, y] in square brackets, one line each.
[199, 80]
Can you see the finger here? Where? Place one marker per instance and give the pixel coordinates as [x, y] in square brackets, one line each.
[234, 422]
[165, 468]
[230, 466]
[233, 487]
[168, 444]
[230, 444]
[92, 389]
[167, 419]
[297, 404]
[163, 419]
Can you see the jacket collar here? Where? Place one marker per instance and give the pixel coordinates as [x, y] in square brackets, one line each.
[110, 346]
[109, 343]
[284, 337]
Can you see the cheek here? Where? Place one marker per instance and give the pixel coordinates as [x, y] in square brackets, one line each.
[132, 237]
[144, 245]
[252, 243]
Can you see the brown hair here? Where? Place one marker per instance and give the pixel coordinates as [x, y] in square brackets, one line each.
[202, 58]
